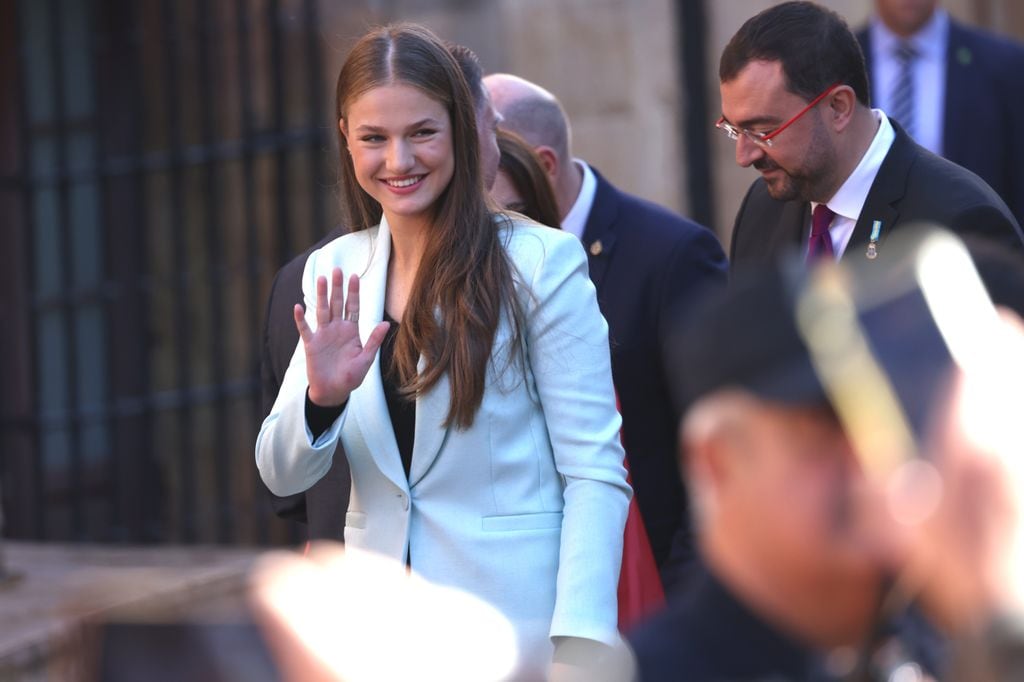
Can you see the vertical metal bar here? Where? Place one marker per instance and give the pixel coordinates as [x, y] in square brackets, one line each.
[119, 118]
[286, 248]
[243, 26]
[216, 279]
[171, 38]
[101, 43]
[106, 56]
[141, 440]
[691, 31]
[316, 99]
[39, 461]
[277, 66]
[64, 276]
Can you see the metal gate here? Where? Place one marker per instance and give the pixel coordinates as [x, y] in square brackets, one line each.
[159, 160]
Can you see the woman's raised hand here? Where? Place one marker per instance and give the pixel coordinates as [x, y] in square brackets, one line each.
[336, 360]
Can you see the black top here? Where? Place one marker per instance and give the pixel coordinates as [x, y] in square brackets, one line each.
[707, 634]
[401, 410]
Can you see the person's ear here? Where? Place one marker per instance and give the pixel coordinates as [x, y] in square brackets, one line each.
[841, 105]
[714, 441]
[344, 131]
[549, 160]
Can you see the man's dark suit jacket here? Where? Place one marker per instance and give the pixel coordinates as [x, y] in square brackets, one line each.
[708, 635]
[323, 506]
[983, 125]
[912, 185]
[648, 265]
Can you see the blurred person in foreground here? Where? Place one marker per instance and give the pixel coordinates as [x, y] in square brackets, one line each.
[323, 506]
[771, 472]
[521, 184]
[483, 436]
[648, 265]
[837, 177]
[824, 547]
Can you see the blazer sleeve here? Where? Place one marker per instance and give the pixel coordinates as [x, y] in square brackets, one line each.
[279, 338]
[288, 457]
[567, 349]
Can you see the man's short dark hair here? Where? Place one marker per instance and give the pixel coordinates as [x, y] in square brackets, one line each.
[469, 64]
[814, 45]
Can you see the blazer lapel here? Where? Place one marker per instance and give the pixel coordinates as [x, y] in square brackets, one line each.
[882, 203]
[599, 233]
[430, 434]
[367, 402]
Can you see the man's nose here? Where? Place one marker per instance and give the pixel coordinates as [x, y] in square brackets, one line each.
[747, 152]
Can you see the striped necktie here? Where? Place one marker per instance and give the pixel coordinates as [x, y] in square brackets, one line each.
[901, 101]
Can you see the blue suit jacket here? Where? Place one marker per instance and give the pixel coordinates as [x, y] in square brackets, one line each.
[649, 265]
[984, 115]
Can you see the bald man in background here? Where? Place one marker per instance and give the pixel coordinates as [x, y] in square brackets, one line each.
[649, 266]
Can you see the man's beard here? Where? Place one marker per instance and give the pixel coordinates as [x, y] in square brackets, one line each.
[781, 186]
[812, 181]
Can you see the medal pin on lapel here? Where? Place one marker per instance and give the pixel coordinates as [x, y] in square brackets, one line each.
[596, 248]
[876, 230]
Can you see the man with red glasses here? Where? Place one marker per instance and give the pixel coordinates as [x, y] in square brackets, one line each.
[837, 177]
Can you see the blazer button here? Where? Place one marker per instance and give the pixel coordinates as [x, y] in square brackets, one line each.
[405, 501]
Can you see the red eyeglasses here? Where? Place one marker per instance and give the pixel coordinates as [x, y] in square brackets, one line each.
[765, 139]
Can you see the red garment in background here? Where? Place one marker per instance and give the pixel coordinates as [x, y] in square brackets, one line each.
[640, 590]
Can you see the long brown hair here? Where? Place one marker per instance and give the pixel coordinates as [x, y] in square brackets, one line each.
[523, 167]
[464, 273]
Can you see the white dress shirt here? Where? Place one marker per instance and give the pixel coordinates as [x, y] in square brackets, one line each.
[576, 220]
[848, 201]
[929, 74]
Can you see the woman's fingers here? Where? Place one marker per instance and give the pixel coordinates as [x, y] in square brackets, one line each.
[337, 278]
[352, 302]
[375, 338]
[323, 311]
[300, 323]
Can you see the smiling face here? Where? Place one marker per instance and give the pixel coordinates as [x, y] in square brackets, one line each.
[801, 162]
[400, 140]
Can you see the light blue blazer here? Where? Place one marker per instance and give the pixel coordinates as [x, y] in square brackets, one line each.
[525, 508]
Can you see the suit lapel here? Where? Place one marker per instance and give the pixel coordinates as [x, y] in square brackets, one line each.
[430, 434]
[794, 228]
[888, 189]
[599, 234]
[367, 402]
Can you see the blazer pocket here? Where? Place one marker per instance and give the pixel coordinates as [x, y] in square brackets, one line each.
[539, 521]
[355, 520]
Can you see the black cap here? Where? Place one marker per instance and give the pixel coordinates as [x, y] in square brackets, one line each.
[746, 337]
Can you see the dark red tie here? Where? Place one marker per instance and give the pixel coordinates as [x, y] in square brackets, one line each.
[820, 245]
